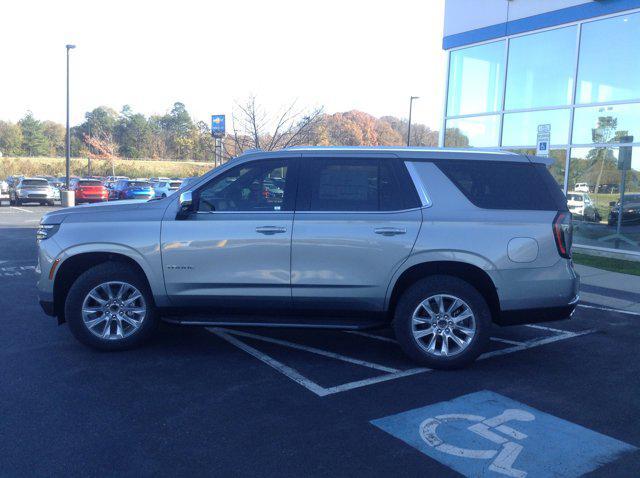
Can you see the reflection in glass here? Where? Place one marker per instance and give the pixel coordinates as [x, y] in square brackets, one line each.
[479, 132]
[605, 124]
[557, 168]
[541, 69]
[521, 129]
[476, 78]
[596, 172]
[609, 68]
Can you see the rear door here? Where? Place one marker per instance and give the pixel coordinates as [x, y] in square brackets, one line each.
[356, 221]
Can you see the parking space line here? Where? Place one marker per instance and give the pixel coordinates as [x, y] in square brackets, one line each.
[505, 341]
[543, 327]
[372, 336]
[279, 366]
[536, 343]
[609, 309]
[313, 350]
[20, 209]
[228, 335]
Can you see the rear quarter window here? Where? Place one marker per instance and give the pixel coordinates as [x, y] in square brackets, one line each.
[505, 184]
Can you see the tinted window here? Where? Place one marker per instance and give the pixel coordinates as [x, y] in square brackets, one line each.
[34, 182]
[353, 185]
[89, 183]
[138, 184]
[255, 186]
[505, 185]
[175, 184]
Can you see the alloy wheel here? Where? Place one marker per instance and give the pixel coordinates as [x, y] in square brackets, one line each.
[443, 325]
[113, 310]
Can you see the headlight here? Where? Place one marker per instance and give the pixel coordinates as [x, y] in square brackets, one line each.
[45, 231]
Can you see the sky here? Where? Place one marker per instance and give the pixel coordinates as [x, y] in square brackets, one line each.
[341, 55]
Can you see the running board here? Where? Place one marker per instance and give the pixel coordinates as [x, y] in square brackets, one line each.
[339, 324]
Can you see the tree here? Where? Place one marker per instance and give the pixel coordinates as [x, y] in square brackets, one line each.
[178, 128]
[455, 138]
[606, 131]
[10, 139]
[55, 134]
[34, 142]
[133, 134]
[292, 126]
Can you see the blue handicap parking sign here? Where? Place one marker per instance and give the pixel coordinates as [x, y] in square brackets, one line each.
[486, 434]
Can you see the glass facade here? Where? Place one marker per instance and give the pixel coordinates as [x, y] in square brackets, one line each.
[583, 80]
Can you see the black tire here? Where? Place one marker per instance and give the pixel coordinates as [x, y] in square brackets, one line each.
[17, 202]
[164, 195]
[430, 286]
[114, 271]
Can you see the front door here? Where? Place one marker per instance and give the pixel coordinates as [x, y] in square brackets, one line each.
[234, 250]
[356, 223]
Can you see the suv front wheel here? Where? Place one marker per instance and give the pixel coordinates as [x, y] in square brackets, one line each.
[442, 322]
[110, 307]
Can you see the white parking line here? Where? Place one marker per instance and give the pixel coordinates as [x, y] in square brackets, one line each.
[394, 341]
[609, 309]
[313, 350]
[20, 209]
[393, 374]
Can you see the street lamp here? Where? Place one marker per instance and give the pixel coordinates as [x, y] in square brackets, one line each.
[68, 142]
[409, 129]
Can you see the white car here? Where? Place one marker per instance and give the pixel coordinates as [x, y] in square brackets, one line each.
[166, 188]
[4, 187]
[582, 187]
[581, 205]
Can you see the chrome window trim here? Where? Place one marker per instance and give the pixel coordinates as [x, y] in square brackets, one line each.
[425, 200]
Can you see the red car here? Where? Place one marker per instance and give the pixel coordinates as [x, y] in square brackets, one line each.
[89, 190]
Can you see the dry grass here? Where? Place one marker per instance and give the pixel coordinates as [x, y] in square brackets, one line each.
[133, 168]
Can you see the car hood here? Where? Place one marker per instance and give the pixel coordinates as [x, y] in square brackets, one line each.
[120, 207]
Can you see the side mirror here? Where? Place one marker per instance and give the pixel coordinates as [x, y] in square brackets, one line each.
[186, 204]
[612, 203]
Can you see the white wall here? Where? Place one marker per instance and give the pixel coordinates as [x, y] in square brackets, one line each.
[465, 15]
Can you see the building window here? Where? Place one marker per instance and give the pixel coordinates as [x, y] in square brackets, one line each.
[476, 78]
[478, 131]
[541, 69]
[609, 69]
[521, 129]
[606, 124]
[598, 174]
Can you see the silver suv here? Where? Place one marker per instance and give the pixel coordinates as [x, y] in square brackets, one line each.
[439, 243]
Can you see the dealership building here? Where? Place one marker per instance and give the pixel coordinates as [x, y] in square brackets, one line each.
[564, 72]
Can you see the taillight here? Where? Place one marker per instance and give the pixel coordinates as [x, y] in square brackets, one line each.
[563, 233]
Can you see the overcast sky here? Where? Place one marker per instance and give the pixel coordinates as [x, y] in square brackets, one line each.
[346, 54]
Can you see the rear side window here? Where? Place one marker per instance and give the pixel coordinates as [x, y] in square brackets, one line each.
[359, 185]
[505, 185]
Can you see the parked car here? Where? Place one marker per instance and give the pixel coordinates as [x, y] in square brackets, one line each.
[110, 181]
[166, 188]
[582, 207]
[4, 187]
[581, 187]
[631, 210]
[131, 189]
[89, 190]
[30, 190]
[438, 243]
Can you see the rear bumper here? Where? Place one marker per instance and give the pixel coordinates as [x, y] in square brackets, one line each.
[535, 315]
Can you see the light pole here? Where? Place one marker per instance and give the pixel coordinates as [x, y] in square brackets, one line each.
[409, 129]
[68, 139]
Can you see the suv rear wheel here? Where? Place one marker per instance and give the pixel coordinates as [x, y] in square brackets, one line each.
[110, 307]
[442, 322]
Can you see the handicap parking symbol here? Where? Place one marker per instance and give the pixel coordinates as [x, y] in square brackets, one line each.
[486, 434]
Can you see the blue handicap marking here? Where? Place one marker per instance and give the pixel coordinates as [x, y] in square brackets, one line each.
[486, 434]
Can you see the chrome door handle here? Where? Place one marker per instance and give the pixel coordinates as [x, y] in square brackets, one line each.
[390, 231]
[271, 229]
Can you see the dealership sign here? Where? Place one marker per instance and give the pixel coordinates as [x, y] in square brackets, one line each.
[544, 140]
[217, 126]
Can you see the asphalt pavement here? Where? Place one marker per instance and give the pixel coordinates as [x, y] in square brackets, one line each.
[556, 399]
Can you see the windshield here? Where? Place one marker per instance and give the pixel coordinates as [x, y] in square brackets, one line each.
[34, 182]
[138, 184]
[175, 185]
[574, 197]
